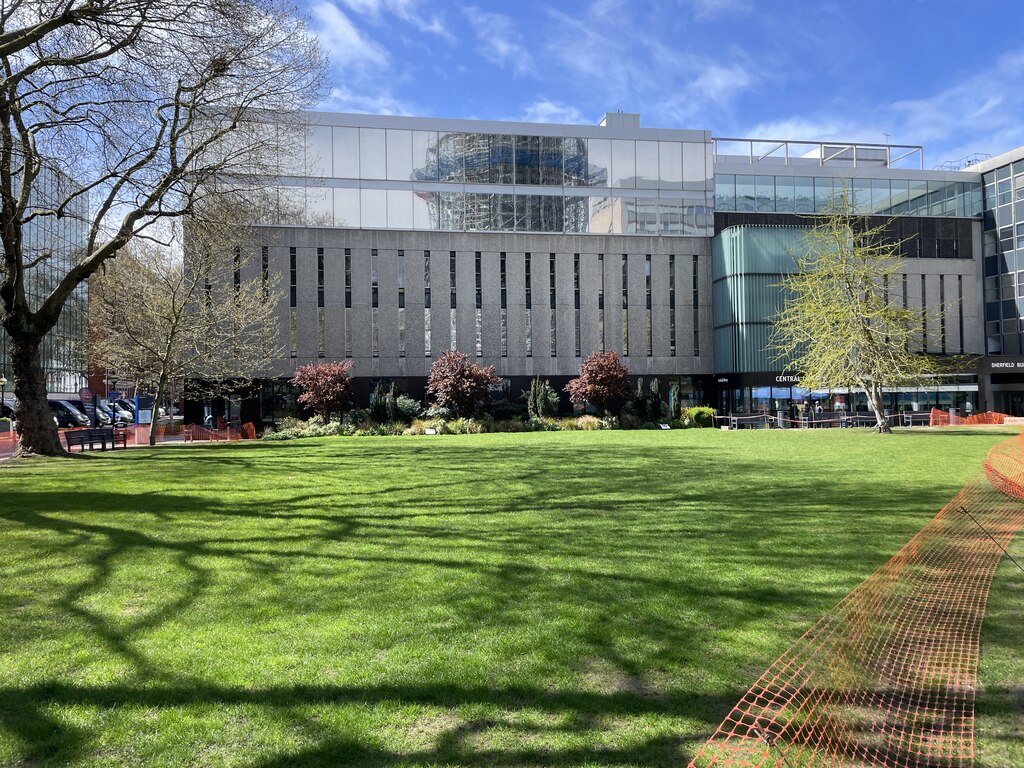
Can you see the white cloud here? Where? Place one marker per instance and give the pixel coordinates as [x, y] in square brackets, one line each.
[498, 40]
[608, 53]
[708, 9]
[406, 10]
[344, 43]
[546, 111]
[977, 114]
[360, 63]
[342, 99]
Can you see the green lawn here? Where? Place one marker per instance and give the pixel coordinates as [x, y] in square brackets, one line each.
[558, 599]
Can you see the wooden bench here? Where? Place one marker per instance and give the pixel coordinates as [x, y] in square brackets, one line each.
[90, 437]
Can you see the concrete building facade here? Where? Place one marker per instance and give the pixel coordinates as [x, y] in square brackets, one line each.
[530, 246]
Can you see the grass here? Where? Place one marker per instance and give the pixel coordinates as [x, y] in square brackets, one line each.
[596, 599]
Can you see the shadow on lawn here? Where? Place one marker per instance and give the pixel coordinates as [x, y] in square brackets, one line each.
[600, 534]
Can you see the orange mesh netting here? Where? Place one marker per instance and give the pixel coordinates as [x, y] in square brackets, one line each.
[946, 419]
[887, 677]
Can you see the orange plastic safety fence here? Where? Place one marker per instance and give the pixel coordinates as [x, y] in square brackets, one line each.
[887, 677]
[248, 431]
[945, 419]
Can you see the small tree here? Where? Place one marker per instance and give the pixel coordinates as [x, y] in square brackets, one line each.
[839, 326]
[326, 388]
[603, 382]
[542, 400]
[157, 321]
[460, 385]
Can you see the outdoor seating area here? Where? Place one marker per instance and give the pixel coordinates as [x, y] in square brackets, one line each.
[92, 438]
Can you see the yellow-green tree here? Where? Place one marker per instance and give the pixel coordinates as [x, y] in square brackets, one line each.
[839, 326]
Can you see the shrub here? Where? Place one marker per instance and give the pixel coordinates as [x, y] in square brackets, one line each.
[588, 423]
[326, 388]
[437, 412]
[677, 424]
[647, 403]
[408, 409]
[628, 421]
[507, 411]
[602, 382]
[359, 415]
[460, 385]
[509, 425]
[567, 424]
[698, 416]
[546, 424]
[541, 400]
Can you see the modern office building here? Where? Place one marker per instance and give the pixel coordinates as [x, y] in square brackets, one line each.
[57, 244]
[529, 246]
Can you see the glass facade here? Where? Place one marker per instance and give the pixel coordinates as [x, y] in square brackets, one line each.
[1003, 251]
[813, 194]
[63, 349]
[457, 181]
[748, 264]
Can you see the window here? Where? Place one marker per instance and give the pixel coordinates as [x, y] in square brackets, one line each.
[600, 302]
[625, 306]
[479, 304]
[672, 304]
[924, 316]
[238, 269]
[696, 309]
[293, 271]
[427, 352]
[576, 300]
[452, 296]
[647, 290]
[960, 308]
[320, 277]
[265, 270]
[504, 305]
[293, 329]
[348, 302]
[942, 311]
[374, 304]
[401, 303]
[554, 320]
[529, 306]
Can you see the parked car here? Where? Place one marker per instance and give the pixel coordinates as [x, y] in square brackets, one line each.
[126, 405]
[121, 414]
[101, 418]
[117, 417]
[67, 415]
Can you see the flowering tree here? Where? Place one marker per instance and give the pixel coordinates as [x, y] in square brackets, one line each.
[602, 382]
[326, 388]
[460, 385]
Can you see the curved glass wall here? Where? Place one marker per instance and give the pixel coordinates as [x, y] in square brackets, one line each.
[748, 264]
[436, 180]
[813, 194]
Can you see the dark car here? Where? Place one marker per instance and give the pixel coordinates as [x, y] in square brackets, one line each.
[67, 415]
[101, 418]
[127, 405]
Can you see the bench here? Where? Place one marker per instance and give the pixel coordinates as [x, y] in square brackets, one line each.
[90, 437]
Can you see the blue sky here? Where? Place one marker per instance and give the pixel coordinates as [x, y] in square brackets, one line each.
[948, 75]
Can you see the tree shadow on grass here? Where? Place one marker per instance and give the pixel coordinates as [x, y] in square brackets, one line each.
[604, 537]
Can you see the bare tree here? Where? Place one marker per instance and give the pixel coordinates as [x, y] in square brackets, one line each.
[159, 320]
[839, 326]
[119, 116]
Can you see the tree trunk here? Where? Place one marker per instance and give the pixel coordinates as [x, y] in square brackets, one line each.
[37, 432]
[874, 394]
[161, 391]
